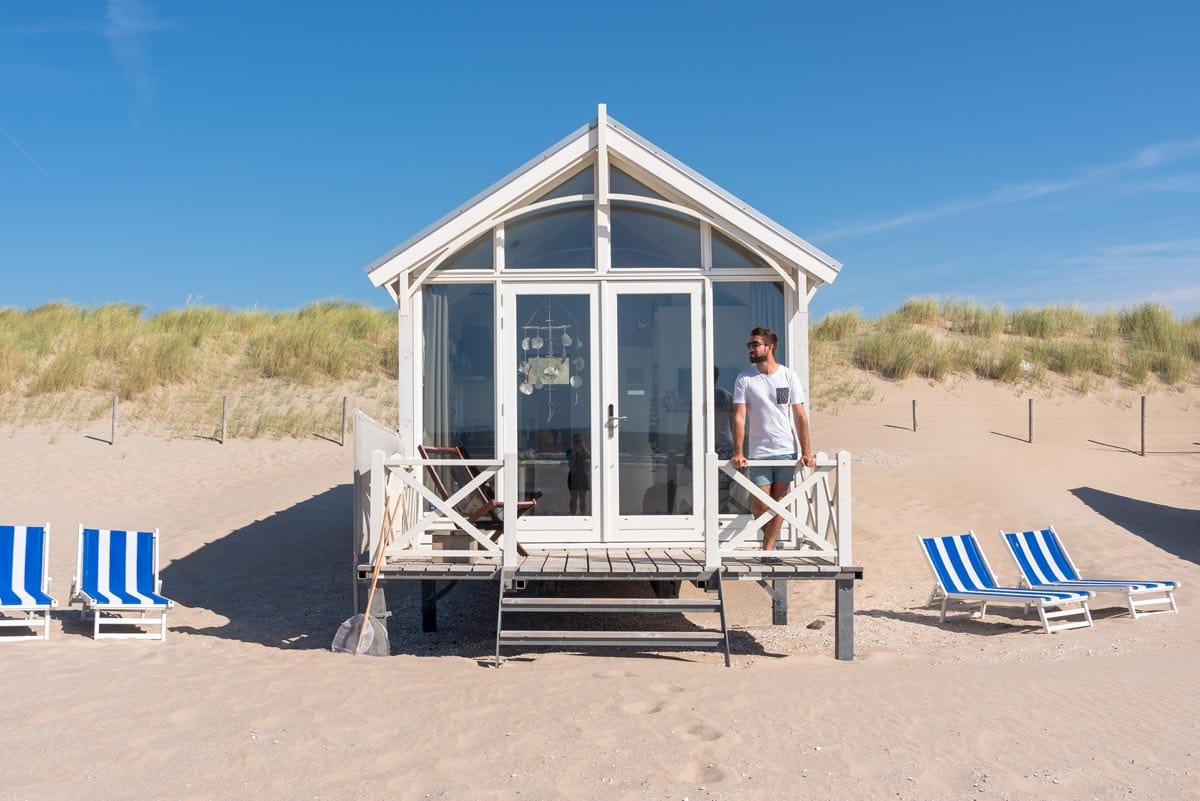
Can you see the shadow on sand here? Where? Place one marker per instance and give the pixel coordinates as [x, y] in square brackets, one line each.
[1173, 529]
[999, 620]
[285, 582]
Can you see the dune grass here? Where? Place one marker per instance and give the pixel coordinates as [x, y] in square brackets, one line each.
[934, 339]
[286, 372]
[184, 360]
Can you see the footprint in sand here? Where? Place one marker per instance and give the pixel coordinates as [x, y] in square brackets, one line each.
[705, 773]
[702, 732]
[644, 707]
[614, 674]
[664, 689]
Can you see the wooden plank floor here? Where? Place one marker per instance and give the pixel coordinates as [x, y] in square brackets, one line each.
[614, 563]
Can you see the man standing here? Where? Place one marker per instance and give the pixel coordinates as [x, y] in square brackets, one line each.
[778, 424]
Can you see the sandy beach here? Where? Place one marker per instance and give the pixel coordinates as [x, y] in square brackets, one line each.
[245, 700]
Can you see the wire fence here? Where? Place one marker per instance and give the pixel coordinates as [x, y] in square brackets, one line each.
[1151, 426]
[244, 413]
[1147, 427]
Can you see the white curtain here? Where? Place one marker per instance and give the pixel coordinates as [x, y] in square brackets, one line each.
[437, 368]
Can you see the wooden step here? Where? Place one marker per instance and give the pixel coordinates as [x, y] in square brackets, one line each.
[544, 604]
[640, 639]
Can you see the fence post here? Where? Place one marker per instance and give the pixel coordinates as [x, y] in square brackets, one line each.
[112, 437]
[914, 414]
[1143, 425]
[1031, 421]
[224, 411]
[343, 442]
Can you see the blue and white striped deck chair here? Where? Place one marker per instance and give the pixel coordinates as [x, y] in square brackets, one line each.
[963, 575]
[23, 580]
[1044, 563]
[117, 574]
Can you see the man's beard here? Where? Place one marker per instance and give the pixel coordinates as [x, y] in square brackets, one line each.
[757, 359]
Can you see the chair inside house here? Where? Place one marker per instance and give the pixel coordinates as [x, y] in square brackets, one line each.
[1043, 562]
[117, 576]
[480, 507]
[962, 574]
[24, 600]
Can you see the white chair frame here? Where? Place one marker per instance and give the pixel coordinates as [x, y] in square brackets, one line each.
[116, 612]
[29, 618]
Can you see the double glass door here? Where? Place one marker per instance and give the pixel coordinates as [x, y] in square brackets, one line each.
[602, 406]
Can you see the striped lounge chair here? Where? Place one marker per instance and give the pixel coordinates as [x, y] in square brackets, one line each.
[23, 580]
[962, 575]
[1044, 564]
[117, 574]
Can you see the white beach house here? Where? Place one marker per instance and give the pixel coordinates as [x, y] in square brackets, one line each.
[574, 331]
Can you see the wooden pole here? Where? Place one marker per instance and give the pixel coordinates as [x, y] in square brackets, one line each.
[343, 421]
[1031, 421]
[224, 417]
[112, 438]
[1143, 425]
[914, 414]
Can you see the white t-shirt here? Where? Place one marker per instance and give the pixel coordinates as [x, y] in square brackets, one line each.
[769, 399]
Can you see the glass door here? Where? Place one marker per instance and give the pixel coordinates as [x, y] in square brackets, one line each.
[548, 417]
[652, 402]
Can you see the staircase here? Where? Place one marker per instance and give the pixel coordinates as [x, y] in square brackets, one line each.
[644, 639]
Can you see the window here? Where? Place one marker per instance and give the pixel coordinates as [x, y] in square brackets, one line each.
[738, 307]
[460, 368]
[652, 237]
[727, 254]
[582, 183]
[622, 183]
[478, 255]
[555, 238]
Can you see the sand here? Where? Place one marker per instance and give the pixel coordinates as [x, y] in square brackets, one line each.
[244, 699]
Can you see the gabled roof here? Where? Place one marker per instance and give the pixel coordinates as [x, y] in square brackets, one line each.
[564, 157]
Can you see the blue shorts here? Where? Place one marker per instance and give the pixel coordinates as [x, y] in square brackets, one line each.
[766, 476]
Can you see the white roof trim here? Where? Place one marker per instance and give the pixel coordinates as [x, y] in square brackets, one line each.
[542, 171]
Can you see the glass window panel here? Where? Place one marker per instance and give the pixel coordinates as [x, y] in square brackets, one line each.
[650, 237]
[476, 256]
[563, 237]
[654, 348]
[555, 439]
[581, 183]
[622, 183]
[728, 254]
[460, 376]
[739, 307]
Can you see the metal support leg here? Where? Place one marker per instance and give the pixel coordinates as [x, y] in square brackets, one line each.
[379, 607]
[779, 602]
[843, 638]
[428, 605]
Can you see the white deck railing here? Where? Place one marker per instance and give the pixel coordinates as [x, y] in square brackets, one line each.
[816, 512]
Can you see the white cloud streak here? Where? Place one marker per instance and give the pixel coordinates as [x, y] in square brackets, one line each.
[1144, 159]
[1163, 272]
[24, 152]
[127, 25]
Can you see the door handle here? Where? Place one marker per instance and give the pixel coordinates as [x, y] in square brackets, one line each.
[612, 418]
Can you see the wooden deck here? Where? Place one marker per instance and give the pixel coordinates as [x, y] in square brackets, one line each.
[610, 564]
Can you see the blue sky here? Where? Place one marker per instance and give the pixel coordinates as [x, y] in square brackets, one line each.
[260, 154]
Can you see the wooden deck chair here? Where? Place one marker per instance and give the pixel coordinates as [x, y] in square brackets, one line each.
[962, 574]
[1043, 563]
[23, 580]
[116, 575]
[480, 508]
